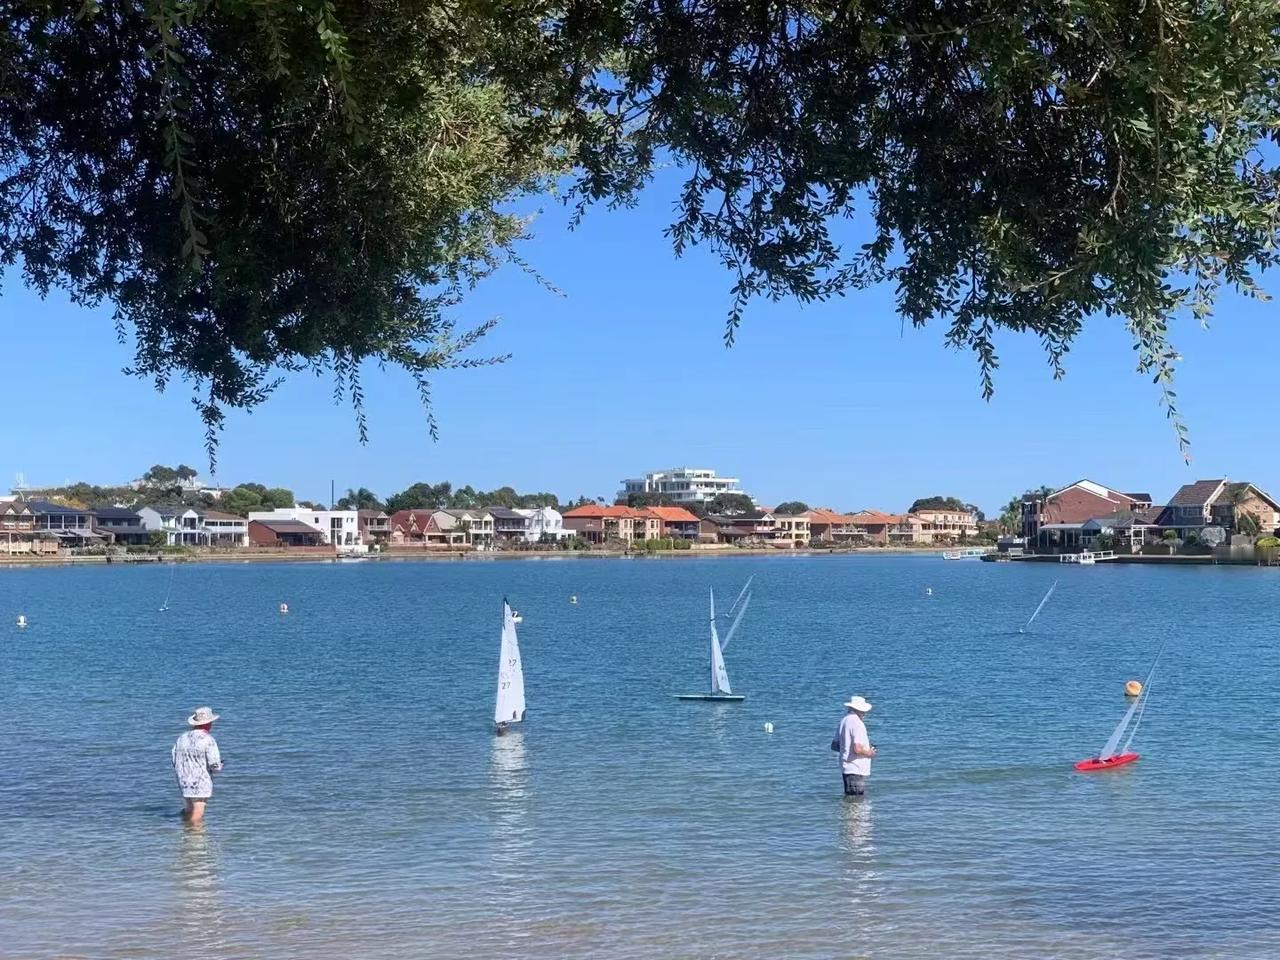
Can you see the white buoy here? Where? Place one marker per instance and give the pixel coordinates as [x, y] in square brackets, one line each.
[768, 727]
[22, 621]
[928, 591]
[284, 608]
[574, 598]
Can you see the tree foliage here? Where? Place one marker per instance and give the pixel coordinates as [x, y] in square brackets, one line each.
[362, 499]
[258, 186]
[939, 503]
[730, 503]
[443, 496]
[254, 496]
[791, 507]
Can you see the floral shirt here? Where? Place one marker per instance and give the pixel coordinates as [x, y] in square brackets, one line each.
[195, 758]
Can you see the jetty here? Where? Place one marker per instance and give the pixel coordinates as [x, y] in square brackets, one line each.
[966, 553]
[1087, 557]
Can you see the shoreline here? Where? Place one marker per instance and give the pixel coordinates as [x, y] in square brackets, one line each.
[456, 555]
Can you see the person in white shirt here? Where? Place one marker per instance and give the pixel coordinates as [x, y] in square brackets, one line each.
[854, 747]
[195, 759]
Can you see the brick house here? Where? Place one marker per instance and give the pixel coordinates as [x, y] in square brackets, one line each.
[1219, 503]
[1055, 520]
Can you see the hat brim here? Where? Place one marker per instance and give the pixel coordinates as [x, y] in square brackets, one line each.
[193, 722]
[863, 707]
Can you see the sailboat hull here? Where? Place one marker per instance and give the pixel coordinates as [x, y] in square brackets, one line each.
[1094, 764]
[722, 697]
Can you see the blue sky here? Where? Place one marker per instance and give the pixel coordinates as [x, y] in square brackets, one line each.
[833, 404]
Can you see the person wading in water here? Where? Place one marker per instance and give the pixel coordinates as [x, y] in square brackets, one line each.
[195, 760]
[854, 748]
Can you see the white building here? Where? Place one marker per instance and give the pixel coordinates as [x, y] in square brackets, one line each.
[682, 485]
[340, 528]
[544, 523]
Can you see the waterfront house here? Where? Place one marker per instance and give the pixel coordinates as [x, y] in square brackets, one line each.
[509, 526]
[339, 528]
[19, 533]
[283, 532]
[1219, 503]
[828, 526]
[754, 526]
[1053, 521]
[907, 528]
[477, 525]
[674, 522]
[545, 524]
[418, 528]
[941, 526]
[70, 526]
[224, 529]
[181, 525]
[375, 525]
[121, 525]
[791, 528]
[600, 524]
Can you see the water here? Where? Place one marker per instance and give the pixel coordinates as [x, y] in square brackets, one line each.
[367, 810]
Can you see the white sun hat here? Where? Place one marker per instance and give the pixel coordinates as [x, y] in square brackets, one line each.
[202, 716]
[859, 704]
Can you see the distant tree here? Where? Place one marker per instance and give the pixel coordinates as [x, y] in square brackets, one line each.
[240, 500]
[158, 538]
[310, 505]
[362, 499]
[939, 503]
[647, 499]
[184, 472]
[160, 474]
[1247, 524]
[1010, 520]
[277, 497]
[731, 503]
[420, 496]
[582, 501]
[791, 507]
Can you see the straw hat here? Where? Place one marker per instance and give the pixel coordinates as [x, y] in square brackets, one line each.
[859, 704]
[202, 716]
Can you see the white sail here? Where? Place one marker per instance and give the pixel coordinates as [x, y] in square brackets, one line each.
[1109, 750]
[1040, 607]
[509, 707]
[719, 676]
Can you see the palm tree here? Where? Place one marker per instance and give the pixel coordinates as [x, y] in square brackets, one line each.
[362, 499]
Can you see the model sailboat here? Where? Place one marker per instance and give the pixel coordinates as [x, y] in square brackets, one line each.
[509, 706]
[720, 689]
[1113, 754]
[1047, 595]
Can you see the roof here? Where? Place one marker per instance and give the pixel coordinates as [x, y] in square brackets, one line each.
[595, 511]
[463, 514]
[366, 513]
[46, 506]
[1140, 497]
[287, 526]
[217, 515]
[1197, 494]
[873, 517]
[504, 513]
[672, 514]
[115, 513]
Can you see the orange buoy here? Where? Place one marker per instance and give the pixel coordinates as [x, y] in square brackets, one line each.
[1133, 688]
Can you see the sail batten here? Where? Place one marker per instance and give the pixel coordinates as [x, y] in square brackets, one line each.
[509, 705]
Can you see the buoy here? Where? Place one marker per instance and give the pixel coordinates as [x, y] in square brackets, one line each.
[22, 621]
[1133, 688]
[768, 727]
[928, 591]
[284, 608]
[573, 599]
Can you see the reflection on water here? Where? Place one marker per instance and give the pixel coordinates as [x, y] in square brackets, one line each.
[509, 779]
[199, 920]
[855, 825]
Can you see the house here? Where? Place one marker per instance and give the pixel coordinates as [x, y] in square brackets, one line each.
[70, 526]
[340, 528]
[283, 532]
[477, 525]
[792, 529]
[1220, 503]
[947, 525]
[828, 526]
[375, 525]
[509, 526]
[1054, 521]
[675, 522]
[122, 525]
[225, 529]
[18, 531]
[871, 525]
[752, 526]
[907, 528]
[181, 525]
[544, 524]
[411, 528]
[599, 524]
[681, 485]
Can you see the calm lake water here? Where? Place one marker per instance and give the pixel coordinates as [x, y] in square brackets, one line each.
[367, 810]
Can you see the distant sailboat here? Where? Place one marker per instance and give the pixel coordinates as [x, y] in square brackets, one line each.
[720, 689]
[1040, 607]
[509, 706]
[1114, 755]
[173, 569]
